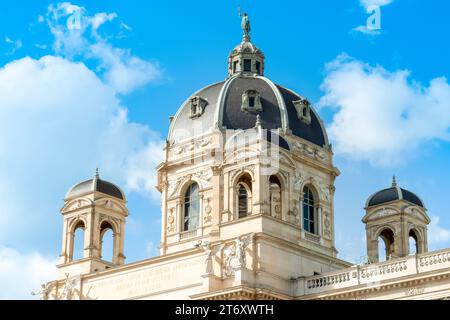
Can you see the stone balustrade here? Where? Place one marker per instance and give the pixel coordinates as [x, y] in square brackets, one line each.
[333, 280]
[434, 260]
[329, 280]
[372, 274]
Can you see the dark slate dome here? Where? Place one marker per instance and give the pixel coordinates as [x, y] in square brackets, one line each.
[223, 110]
[95, 184]
[221, 105]
[392, 194]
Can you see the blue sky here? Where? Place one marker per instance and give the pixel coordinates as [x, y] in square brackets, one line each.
[101, 96]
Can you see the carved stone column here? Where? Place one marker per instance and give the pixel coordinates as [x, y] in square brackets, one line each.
[120, 245]
[319, 224]
[163, 243]
[302, 220]
[65, 251]
[216, 198]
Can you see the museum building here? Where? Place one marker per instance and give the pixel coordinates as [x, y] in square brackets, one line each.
[247, 198]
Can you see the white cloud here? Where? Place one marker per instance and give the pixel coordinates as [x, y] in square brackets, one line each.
[380, 3]
[64, 8]
[137, 149]
[383, 116]
[100, 18]
[140, 168]
[122, 70]
[437, 235]
[66, 124]
[22, 273]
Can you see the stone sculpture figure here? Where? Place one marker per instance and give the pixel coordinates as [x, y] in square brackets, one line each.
[69, 285]
[210, 252]
[44, 292]
[241, 245]
[246, 24]
[235, 257]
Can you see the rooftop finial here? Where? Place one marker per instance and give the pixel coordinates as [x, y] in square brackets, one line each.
[246, 26]
[97, 175]
[394, 181]
[258, 121]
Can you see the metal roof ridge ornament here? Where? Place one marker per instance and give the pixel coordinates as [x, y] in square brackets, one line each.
[394, 181]
[258, 121]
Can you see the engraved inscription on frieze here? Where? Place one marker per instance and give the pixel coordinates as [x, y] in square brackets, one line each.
[148, 281]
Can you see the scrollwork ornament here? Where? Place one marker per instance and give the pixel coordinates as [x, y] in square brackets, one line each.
[171, 220]
[208, 210]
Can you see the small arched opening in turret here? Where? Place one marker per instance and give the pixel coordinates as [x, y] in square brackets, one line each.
[244, 196]
[77, 250]
[386, 245]
[413, 242]
[275, 197]
[106, 241]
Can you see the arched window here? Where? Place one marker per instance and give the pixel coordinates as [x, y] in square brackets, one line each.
[385, 245]
[242, 201]
[191, 207]
[413, 245]
[77, 251]
[275, 197]
[107, 241]
[244, 196]
[309, 221]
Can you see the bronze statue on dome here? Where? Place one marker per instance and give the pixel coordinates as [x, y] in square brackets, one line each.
[246, 25]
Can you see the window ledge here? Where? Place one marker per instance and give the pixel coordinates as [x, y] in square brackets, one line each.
[312, 237]
[188, 234]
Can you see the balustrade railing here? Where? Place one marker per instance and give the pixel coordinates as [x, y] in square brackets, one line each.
[372, 273]
[324, 281]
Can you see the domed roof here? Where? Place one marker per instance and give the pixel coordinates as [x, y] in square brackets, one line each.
[224, 110]
[392, 194]
[225, 105]
[95, 184]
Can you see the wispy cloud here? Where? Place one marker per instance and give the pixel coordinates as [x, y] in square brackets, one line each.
[366, 31]
[15, 44]
[101, 18]
[381, 114]
[379, 3]
[77, 35]
[23, 273]
[41, 46]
